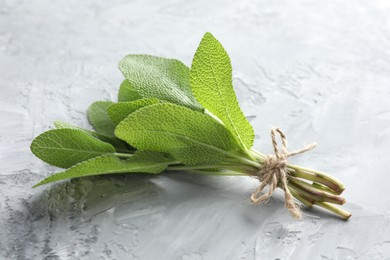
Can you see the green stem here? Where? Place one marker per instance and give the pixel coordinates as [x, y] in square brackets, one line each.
[123, 154]
[338, 186]
[249, 154]
[257, 154]
[324, 188]
[309, 203]
[244, 170]
[344, 214]
[219, 173]
[246, 161]
[199, 167]
[309, 191]
[309, 174]
[302, 199]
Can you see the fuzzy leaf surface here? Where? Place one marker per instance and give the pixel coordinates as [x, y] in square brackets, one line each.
[143, 161]
[191, 137]
[119, 111]
[100, 120]
[66, 147]
[211, 83]
[117, 143]
[161, 78]
[127, 92]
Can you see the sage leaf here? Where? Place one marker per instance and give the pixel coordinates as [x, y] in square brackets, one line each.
[119, 145]
[211, 83]
[143, 161]
[67, 147]
[191, 137]
[155, 77]
[100, 120]
[127, 92]
[119, 111]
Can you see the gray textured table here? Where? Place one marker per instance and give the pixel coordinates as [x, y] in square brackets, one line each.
[318, 69]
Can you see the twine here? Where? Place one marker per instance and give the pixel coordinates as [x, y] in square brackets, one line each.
[274, 171]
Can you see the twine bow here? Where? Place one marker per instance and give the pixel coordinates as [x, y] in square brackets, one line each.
[274, 171]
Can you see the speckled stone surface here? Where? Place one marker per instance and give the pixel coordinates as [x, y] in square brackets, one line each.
[318, 69]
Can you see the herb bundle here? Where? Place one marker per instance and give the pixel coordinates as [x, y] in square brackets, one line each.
[173, 118]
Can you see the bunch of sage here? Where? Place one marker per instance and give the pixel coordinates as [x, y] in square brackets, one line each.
[173, 118]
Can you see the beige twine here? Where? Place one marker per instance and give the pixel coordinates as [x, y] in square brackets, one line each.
[274, 171]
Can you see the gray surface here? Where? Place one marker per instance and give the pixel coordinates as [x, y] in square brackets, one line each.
[318, 69]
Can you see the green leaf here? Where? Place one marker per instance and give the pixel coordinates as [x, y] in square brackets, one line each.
[121, 110]
[100, 120]
[143, 161]
[155, 77]
[66, 147]
[119, 145]
[64, 125]
[211, 82]
[191, 137]
[127, 92]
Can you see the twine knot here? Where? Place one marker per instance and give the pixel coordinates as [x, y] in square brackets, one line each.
[274, 172]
